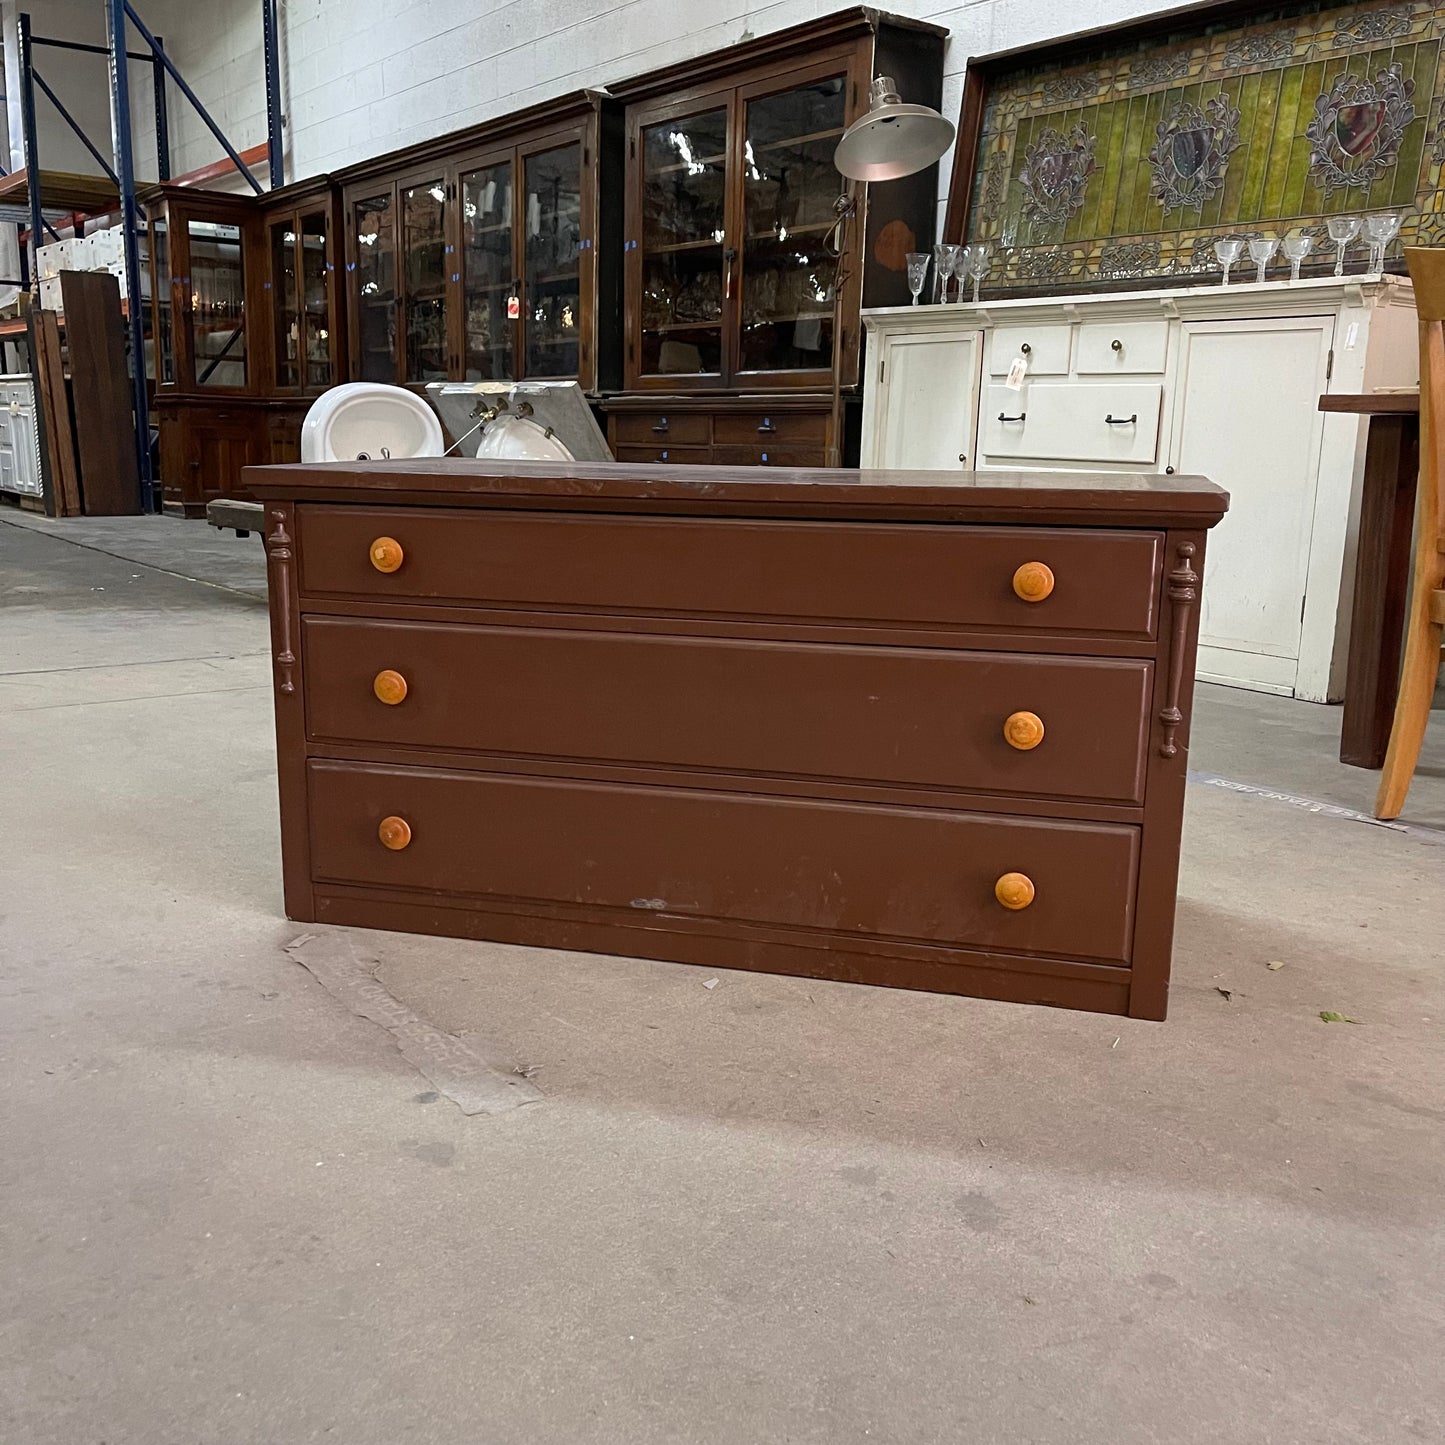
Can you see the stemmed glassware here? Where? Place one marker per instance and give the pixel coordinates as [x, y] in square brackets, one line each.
[1343, 230]
[1227, 250]
[1380, 230]
[953, 259]
[917, 262]
[978, 263]
[1296, 248]
[1261, 252]
[942, 269]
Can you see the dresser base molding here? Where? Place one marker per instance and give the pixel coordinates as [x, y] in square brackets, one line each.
[1006, 978]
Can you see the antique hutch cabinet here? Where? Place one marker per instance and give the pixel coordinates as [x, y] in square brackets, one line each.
[485, 254]
[247, 320]
[730, 255]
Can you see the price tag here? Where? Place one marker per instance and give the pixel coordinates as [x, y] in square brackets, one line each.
[1016, 373]
[1352, 335]
[514, 307]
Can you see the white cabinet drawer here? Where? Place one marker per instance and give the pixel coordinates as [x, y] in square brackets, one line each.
[1045, 347]
[1122, 348]
[1068, 421]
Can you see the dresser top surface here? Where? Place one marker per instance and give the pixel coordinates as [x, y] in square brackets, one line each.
[1100, 498]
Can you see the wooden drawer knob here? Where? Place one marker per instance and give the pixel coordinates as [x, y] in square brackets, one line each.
[1022, 730]
[1033, 581]
[386, 555]
[390, 688]
[395, 833]
[1013, 890]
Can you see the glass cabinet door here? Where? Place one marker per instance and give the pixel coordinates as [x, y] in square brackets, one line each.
[488, 273]
[165, 358]
[217, 304]
[424, 250]
[315, 319]
[283, 302]
[552, 314]
[373, 226]
[684, 216]
[789, 186]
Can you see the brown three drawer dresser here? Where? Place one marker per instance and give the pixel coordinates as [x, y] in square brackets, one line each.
[874, 726]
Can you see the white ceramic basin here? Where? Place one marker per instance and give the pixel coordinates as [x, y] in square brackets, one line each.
[517, 439]
[369, 419]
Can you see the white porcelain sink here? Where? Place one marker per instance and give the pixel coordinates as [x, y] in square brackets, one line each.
[367, 419]
[519, 439]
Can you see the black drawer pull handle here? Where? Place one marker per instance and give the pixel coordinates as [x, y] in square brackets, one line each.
[1116, 345]
[661, 427]
[1019, 417]
[1026, 349]
[1112, 420]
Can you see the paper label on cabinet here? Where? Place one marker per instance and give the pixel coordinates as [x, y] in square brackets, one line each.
[514, 307]
[1016, 373]
[1352, 335]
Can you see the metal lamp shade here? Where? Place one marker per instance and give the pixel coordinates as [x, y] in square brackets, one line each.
[893, 140]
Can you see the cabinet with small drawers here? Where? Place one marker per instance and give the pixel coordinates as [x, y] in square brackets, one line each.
[861, 726]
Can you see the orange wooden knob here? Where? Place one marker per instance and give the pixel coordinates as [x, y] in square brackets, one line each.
[1014, 890]
[1021, 730]
[1034, 581]
[386, 555]
[390, 687]
[395, 833]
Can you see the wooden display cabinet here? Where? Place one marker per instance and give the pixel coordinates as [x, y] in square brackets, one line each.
[248, 329]
[478, 256]
[730, 258]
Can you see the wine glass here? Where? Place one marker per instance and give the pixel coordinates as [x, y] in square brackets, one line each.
[942, 267]
[1261, 252]
[1380, 230]
[953, 258]
[1343, 230]
[1296, 248]
[979, 260]
[917, 262]
[1227, 250]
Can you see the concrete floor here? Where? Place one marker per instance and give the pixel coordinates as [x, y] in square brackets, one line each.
[773, 1210]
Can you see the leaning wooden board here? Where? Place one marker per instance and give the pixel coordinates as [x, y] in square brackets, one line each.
[884, 727]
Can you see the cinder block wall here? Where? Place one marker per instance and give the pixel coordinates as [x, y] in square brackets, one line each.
[360, 77]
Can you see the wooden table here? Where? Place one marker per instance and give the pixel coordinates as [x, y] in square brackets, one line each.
[1382, 569]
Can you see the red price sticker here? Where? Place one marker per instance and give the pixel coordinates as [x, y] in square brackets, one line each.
[514, 307]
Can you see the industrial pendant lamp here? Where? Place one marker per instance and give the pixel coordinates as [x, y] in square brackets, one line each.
[893, 139]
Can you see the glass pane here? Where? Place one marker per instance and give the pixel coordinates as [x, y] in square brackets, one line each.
[423, 219]
[316, 268]
[376, 288]
[554, 237]
[218, 304]
[684, 194]
[283, 302]
[161, 250]
[487, 278]
[789, 186]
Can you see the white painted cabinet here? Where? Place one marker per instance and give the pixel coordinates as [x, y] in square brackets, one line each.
[1219, 381]
[19, 439]
[1247, 416]
[931, 380]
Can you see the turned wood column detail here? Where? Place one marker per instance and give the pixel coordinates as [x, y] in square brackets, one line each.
[1183, 594]
[279, 560]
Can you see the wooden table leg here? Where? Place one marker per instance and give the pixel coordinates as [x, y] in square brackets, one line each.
[1382, 584]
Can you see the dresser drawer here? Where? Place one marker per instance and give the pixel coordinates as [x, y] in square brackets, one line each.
[663, 428]
[1122, 348]
[904, 717]
[769, 455]
[843, 574]
[679, 456]
[771, 428]
[1067, 421]
[926, 876]
[1045, 347]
